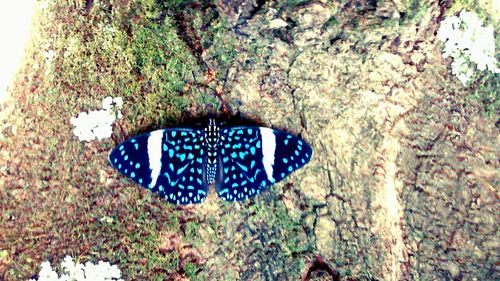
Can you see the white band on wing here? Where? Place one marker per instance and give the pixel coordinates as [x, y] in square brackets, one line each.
[268, 149]
[154, 155]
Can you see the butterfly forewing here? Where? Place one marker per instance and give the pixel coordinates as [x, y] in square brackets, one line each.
[253, 158]
[169, 162]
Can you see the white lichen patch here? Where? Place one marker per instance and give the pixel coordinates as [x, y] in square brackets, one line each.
[97, 124]
[469, 43]
[277, 23]
[71, 271]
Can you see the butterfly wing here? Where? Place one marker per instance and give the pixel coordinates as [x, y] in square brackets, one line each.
[169, 162]
[253, 158]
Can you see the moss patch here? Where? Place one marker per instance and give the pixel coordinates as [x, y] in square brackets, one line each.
[59, 197]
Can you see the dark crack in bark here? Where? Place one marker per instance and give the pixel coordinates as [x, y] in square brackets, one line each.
[319, 265]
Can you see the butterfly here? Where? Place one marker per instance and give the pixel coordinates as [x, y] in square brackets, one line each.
[180, 164]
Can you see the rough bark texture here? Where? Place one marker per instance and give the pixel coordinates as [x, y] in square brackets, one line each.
[403, 181]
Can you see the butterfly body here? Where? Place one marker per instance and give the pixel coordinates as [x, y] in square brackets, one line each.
[180, 163]
[212, 136]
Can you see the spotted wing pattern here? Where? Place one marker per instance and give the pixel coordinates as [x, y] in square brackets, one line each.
[253, 158]
[168, 162]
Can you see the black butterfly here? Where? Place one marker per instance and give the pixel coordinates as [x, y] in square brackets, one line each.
[180, 163]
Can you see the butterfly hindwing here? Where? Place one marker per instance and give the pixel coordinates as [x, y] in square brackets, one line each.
[253, 158]
[291, 153]
[169, 162]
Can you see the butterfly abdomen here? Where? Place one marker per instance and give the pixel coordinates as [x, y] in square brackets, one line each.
[212, 136]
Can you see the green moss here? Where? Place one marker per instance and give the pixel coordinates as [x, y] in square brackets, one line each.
[220, 45]
[191, 270]
[389, 23]
[332, 22]
[191, 233]
[291, 3]
[285, 233]
[480, 7]
[487, 92]
[124, 50]
[414, 11]
[163, 59]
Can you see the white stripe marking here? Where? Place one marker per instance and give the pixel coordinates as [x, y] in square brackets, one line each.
[268, 149]
[154, 154]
